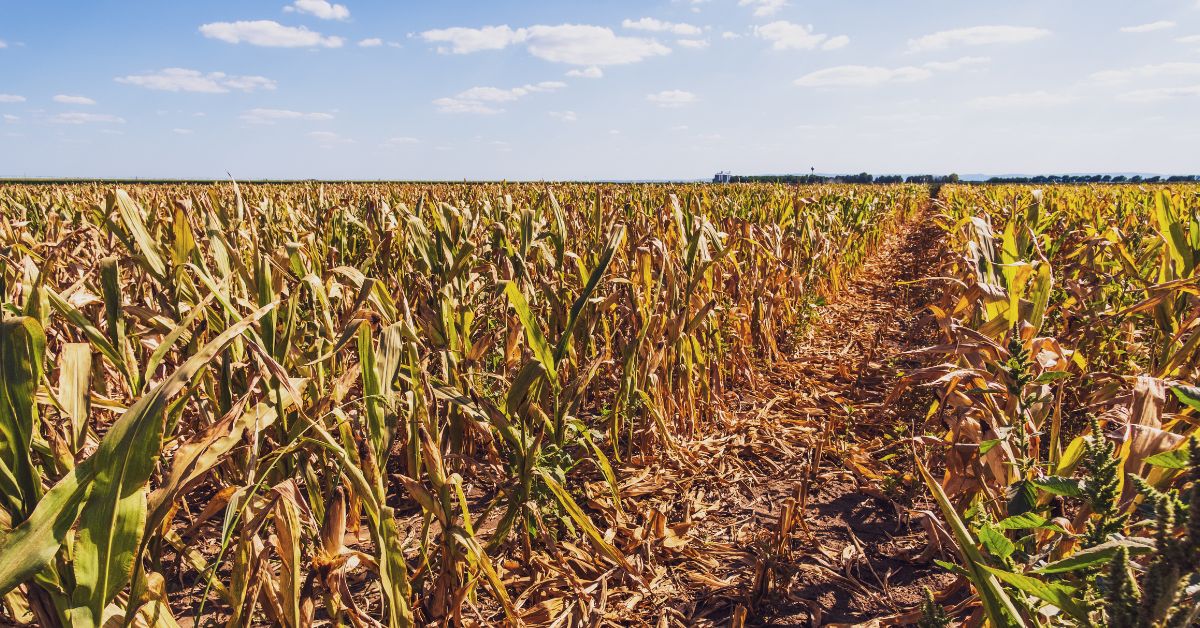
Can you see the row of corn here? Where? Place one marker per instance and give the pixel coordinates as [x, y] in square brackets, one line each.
[371, 404]
[1066, 372]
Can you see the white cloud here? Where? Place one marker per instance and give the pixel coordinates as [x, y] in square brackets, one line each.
[370, 42]
[182, 131]
[976, 36]
[573, 44]
[1177, 68]
[957, 64]
[271, 116]
[1160, 94]
[588, 72]
[1022, 100]
[482, 100]
[269, 34]
[764, 8]
[11, 98]
[659, 26]
[1149, 27]
[185, 80]
[10, 118]
[672, 98]
[694, 44]
[785, 35]
[580, 44]
[862, 76]
[467, 40]
[496, 94]
[730, 35]
[86, 118]
[67, 99]
[454, 105]
[1188, 39]
[565, 116]
[3, 44]
[833, 43]
[320, 8]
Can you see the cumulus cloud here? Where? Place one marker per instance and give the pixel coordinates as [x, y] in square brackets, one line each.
[67, 99]
[565, 116]
[271, 116]
[659, 26]
[672, 98]
[976, 36]
[862, 76]
[730, 35]
[1159, 94]
[371, 42]
[463, 41]
[764, 8]
[1149, 27]
[785, 35]
[1177, 68]
[1022, 100]
[1188, 39]
[589, 72]
[484, 100]
[572, 44]
[580, 44]
[957, 64]
[185, 80]
[11, 119]
[455, 105]
[833, 43]
[268, 34]
[6, 98]
[182, 131]
[320, 8]
[695, 44]
[86, 118]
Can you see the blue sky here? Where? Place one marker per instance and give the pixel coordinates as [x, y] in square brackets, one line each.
[595, 90]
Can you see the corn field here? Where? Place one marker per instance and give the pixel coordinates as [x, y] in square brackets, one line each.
[1067, 406]
[401, 404]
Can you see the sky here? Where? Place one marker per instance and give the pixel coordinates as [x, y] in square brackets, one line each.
[655, 89]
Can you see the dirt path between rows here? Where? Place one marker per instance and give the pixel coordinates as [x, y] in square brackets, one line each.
[854, 554]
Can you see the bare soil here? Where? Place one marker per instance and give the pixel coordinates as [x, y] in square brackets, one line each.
[854, 551]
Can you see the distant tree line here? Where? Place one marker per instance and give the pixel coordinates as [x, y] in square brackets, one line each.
[862, 177]
[1095, 178]
[930, 179]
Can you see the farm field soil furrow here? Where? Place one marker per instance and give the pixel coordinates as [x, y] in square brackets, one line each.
[857, 550]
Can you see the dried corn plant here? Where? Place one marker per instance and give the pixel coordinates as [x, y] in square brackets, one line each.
[378, 404]
[1066, 373]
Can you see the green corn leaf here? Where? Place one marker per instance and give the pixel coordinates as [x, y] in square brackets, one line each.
[999, 607]
[22, 352]
[132, 215]
[113, 480]
[615, 237]
[533, 333]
